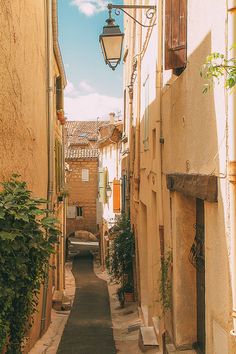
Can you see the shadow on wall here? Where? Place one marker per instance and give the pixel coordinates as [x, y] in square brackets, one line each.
[194, 132]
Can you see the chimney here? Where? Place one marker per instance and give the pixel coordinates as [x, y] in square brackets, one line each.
[112, 117]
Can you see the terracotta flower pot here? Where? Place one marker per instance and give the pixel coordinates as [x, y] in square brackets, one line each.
[129, 297]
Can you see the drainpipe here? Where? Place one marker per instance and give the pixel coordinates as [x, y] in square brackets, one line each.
[50, 127]
[232, 158]
[138, 112]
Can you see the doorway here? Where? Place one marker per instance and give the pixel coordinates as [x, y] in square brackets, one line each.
[200, 232]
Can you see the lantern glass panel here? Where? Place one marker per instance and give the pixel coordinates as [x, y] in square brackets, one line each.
[112, 47]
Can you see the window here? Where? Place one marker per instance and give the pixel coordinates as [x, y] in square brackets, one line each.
[175, 35]
[59, 93]
[79, 211]
[85, 175]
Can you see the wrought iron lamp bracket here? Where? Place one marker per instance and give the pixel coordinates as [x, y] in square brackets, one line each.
[150, 12]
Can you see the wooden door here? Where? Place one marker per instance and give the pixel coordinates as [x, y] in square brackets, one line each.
[200, 233]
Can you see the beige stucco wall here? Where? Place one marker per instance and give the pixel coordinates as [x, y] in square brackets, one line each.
[194, 127]
[194, 132]
[23, 93]
[23, 128]
[23, 107]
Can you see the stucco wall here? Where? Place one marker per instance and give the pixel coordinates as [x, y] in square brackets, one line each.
[194, 127]
[23, 106]
[193, 131]
[23, 124]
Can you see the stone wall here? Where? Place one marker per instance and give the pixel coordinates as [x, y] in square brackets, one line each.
[83, 194]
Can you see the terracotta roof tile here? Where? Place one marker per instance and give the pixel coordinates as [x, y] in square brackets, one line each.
[74, 154]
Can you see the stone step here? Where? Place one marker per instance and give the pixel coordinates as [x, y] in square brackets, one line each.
[148, 340]
[60, 302]
[170, 349]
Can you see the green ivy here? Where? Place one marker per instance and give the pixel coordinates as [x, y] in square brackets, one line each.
[27, 236]
[215, 67]
[165, 283]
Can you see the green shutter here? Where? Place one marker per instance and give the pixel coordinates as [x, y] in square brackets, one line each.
[102, 185]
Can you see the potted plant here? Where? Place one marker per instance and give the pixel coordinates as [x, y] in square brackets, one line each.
[61, 116]
[128, 290]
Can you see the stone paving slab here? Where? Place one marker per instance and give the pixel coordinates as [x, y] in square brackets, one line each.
[89, 327]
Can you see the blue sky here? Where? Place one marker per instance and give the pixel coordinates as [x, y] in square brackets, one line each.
[93, 89]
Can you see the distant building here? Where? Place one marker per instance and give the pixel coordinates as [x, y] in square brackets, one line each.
[110, 185]
[81, 154]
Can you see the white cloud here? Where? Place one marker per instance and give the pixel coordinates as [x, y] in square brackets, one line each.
[91, 106]
[85, 86]
[90, 7]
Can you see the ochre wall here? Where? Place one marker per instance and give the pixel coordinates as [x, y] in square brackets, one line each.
[23, 106]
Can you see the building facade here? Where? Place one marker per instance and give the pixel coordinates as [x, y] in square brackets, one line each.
[32, 82]
[109, 144]
[180, 167]
[82, 175]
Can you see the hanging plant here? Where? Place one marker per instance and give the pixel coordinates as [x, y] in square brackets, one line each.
[27, 237]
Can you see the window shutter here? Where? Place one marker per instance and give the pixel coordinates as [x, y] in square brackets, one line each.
[71, 212]
[116, 196]
[175, 34]
[102, 185]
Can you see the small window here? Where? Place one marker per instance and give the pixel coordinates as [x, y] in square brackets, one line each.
[79, 211]
[85, 175]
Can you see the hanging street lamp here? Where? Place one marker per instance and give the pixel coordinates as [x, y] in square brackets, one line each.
[111, 39]
[108, 190]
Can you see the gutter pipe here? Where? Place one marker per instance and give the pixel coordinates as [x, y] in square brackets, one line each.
[232, 158]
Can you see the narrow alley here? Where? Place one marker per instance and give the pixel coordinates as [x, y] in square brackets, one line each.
[117, 177]
[89, 327]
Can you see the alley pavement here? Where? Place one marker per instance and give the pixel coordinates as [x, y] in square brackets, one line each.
[89, 327]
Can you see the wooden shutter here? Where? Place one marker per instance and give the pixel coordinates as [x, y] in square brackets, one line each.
[116, 196]
[175, 34]
[102, 185]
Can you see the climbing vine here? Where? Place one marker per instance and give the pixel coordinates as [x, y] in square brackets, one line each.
[165, 283]
[27, 236]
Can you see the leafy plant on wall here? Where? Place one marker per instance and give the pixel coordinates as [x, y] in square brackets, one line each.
[27, 236]
[165, 289]
[217, 66]
[121, 252]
